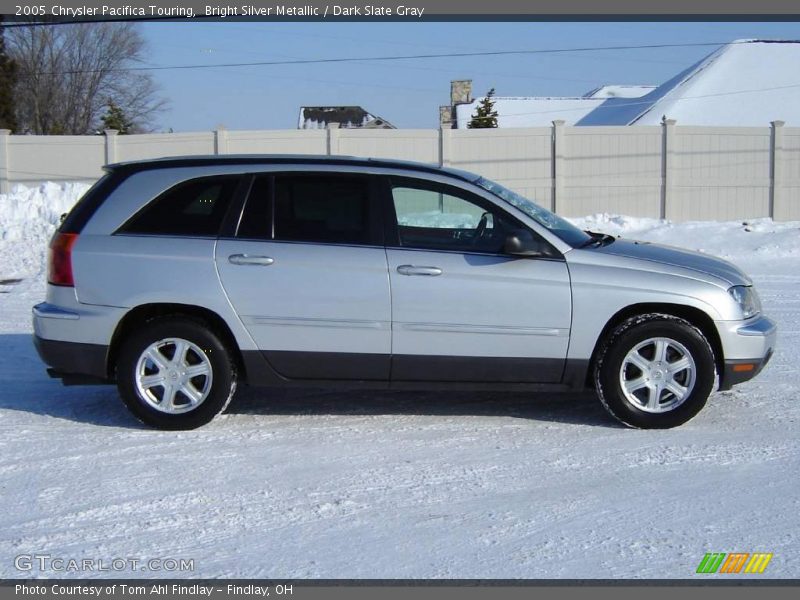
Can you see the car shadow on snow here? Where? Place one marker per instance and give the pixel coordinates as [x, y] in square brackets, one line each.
[570, 408]
[27, 388]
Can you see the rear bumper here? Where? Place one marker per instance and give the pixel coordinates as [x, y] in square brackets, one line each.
[73, 362]
[747, 346]
[72, 338]
[64, 318]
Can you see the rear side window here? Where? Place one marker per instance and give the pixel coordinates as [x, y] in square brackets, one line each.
[322, 208]
[193, 208]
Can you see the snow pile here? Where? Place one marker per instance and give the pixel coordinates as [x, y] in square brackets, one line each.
[28, 217]
[750, 239]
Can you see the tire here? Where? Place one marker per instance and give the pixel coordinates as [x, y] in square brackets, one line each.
[655, 371]
[175, 394]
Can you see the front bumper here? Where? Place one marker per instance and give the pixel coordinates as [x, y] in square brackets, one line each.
[747, 347]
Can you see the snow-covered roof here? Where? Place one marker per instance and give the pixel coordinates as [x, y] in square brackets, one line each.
[744, 83]
[348, 117]
[531, 112]
[620, 91]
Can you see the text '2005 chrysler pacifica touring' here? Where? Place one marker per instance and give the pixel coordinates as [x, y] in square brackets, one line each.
[179, 278]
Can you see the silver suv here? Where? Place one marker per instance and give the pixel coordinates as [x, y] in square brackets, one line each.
[179, 278]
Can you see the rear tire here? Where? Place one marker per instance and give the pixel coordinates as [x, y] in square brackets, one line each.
[175, 373]
[655, 371]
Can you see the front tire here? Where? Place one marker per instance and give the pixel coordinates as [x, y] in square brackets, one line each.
[655, 371]
[175, 373]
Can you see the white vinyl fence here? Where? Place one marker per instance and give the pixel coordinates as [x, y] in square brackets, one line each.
[670, 171]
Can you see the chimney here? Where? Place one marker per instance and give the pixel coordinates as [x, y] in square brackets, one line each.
[460, 91]
[446, 117]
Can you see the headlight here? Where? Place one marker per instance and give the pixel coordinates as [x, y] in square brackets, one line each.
[747, 299]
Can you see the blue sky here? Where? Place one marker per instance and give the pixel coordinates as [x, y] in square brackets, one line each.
[407, 93]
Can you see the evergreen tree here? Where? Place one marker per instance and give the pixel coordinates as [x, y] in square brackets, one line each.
[115, 119]
[485, 116]
[8, 78]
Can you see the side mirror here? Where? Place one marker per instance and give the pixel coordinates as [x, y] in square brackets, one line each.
[521, 242]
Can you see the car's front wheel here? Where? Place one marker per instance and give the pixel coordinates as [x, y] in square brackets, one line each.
[175, 373]
[655, 371]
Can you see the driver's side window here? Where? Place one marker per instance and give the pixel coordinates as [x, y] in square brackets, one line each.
[436, 217]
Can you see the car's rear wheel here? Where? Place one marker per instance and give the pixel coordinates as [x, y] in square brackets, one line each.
[175, 373]
[655, 371]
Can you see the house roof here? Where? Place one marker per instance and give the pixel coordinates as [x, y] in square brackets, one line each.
[745, 83]
[620, 91]
[348, 117]
[531, 111]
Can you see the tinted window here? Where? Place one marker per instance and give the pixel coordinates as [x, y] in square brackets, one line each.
[436, 217]
[256, 222]
[192, 208]
[322, 208]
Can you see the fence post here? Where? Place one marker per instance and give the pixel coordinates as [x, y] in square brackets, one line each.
[4, 184]
[111, 145]
[332, 139]
[220, 140]
[667, 164]
[776, 168]
[557, 165]
[445, 150]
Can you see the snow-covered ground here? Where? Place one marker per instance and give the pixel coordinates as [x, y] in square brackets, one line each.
[319, 483]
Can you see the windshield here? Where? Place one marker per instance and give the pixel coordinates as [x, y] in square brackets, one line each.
[562, 228]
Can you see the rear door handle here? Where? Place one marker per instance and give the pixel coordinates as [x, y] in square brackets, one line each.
[414, 270]
[246, 259]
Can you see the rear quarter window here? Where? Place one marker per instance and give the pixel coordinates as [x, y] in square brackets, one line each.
[83, 211]
[194, 208]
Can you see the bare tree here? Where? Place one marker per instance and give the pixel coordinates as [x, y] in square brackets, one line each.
[68, 74]
[8, 76]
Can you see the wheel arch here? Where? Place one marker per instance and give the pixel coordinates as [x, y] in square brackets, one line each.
[147, 312]
[691, 314]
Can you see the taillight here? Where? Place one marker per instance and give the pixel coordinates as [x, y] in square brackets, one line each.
[59, 266]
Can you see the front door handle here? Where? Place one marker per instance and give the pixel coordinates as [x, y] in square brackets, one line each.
[414, 270]
[246, 259]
